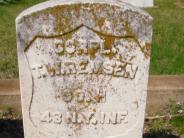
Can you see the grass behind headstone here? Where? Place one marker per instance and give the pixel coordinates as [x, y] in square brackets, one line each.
[168, 38]
[8, 53]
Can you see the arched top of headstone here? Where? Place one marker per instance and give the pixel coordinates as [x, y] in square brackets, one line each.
[53, 3]
[109, 17]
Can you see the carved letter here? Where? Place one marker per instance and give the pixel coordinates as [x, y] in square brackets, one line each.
[131, 71]
[70, 47]
[108, 67]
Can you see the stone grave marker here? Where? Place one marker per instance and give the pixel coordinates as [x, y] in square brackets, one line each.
[83, 69]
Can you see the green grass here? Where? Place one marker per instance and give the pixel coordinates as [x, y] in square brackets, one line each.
[178, 123]
[168, 38]
[172, 128]
[8, 53]
[168, 128]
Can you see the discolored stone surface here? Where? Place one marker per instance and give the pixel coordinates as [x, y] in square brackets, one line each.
[84, 69]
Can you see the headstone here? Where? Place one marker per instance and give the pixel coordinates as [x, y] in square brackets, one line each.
[140, 3]
[83, 69]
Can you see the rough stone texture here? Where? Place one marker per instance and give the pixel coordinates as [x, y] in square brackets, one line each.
[140, 3]
[84, 69]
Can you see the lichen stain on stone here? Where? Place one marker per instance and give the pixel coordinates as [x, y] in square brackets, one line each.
[92, 51]
[128, 30]
[98, 98]
[146, 50]
[108, 44]
[63, 23]
[101, 22]
[50, 70]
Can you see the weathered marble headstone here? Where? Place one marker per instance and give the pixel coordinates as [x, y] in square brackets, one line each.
[140, 3]
[83, 69]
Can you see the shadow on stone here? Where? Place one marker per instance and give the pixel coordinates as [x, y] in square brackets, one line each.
[11, 128]
[160, 134]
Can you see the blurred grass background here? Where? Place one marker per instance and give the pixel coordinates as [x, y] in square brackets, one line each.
[168, 37]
